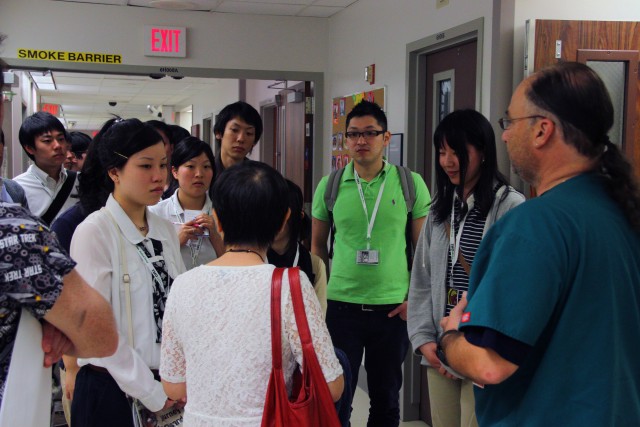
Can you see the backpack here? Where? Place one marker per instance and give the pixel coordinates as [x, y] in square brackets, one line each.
[408, 191]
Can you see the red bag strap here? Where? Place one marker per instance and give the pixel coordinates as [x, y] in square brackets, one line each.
[276, 318]
[298, 306]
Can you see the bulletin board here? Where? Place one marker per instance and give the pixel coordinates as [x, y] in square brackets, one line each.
[340, 107]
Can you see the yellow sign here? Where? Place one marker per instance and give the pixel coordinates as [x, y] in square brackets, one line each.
[57, 55]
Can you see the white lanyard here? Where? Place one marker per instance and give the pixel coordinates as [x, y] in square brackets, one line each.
[364, 204]
[194, 247]
[149, 263]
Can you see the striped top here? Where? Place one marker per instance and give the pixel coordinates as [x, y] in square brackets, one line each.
[472, 230]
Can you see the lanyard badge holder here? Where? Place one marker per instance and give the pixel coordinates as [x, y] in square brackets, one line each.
[368, 256]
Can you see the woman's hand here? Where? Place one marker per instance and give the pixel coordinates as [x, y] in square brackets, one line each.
[188, 231]
[428, 350]
[205, 221]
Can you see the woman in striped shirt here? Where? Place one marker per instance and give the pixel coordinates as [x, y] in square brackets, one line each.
[471, 194]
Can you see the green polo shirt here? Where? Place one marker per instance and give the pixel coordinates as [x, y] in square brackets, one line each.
[387, 282]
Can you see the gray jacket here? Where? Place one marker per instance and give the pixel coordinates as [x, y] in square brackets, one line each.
[15, 191]
[427, 291]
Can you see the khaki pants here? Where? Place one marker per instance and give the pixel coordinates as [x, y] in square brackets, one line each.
[452, 402]
[66, 403]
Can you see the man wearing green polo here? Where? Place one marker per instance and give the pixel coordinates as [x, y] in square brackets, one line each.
[369, 278]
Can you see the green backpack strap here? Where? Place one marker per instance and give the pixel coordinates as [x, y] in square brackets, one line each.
[330, 196]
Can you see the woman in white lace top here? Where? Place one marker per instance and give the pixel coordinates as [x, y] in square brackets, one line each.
[216, 329]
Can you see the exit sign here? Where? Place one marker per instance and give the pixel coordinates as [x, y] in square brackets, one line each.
[165, 41]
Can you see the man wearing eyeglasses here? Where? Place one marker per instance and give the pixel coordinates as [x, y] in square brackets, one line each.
[369, 279]
[552, 322]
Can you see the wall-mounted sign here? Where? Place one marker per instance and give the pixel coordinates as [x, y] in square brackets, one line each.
[58, 55]
[165, 41]
[51, 108]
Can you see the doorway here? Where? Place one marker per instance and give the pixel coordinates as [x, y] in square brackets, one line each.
[444, 73]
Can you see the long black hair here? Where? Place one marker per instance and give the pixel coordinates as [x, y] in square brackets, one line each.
[580, 102]
[117, 140]
[458, 129]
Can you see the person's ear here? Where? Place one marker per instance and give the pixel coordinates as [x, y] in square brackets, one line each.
[114, 175]
[174, 172]
[286, 219]
[544, 130]
[386, 138]
[218, 225]
[29, 149]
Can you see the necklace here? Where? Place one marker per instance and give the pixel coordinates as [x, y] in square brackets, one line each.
[246, 251]
[143, 228]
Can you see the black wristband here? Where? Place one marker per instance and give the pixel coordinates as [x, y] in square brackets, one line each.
[442, 337]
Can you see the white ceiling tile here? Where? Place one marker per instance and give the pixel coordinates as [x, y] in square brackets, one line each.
[259, 8]
[320, 11]
[338, 3]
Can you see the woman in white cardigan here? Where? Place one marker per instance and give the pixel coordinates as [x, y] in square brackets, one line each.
[131, 256]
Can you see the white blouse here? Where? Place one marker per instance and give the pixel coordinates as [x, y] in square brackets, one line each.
[95, 247]
[203, 249]
[217, 339]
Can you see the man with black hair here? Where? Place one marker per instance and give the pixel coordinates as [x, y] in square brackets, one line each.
[237, 130]
[552, 322]
[369, 281]
[49, 187]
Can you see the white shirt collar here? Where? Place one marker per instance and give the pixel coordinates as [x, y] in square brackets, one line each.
[44, 177]
[207, 208]
[129, 229]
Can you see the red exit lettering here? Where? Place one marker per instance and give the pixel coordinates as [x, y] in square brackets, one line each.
[163, 40]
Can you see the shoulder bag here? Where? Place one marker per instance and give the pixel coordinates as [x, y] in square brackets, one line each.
[169, 417]
[311, 405]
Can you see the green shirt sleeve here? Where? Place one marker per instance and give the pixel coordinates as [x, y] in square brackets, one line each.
[423, 198]
[319, 208]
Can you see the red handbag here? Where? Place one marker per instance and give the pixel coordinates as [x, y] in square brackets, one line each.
[312, 405]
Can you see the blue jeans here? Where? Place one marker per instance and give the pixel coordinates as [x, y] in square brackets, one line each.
[354, 330]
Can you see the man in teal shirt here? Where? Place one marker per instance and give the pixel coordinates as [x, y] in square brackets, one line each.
[552, 325]
[369, 279]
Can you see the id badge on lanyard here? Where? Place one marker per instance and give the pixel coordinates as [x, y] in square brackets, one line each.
[368, 256]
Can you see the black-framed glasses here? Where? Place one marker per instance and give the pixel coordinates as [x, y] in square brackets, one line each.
[367, 134]
[505, 122]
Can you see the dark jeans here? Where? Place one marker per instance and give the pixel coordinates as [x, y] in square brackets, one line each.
[385, 340]
[99, 402]
[343, 406]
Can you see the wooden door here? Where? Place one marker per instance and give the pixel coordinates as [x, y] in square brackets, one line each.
[450, 85]
[294, 137]
[269, 115]
[612, 49]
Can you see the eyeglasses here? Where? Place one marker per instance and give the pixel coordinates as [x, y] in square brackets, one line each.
[78, 154]
[505, 122]
[367, 134]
